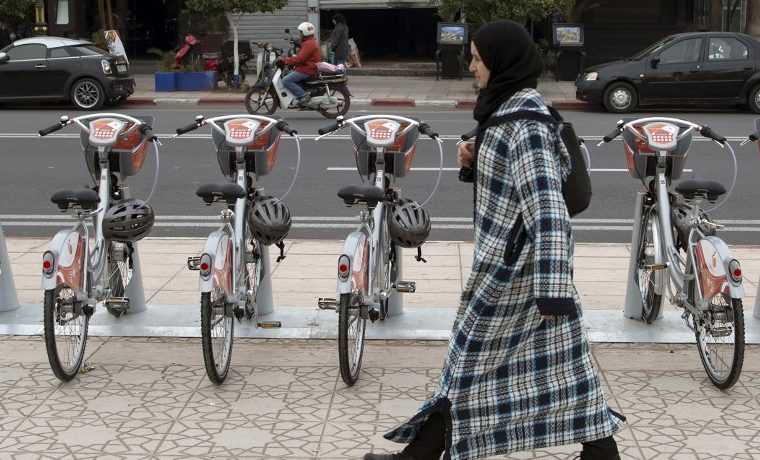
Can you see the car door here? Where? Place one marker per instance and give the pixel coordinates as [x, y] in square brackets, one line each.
[728, 64]
[21, 75]
[673, 73]
[61, 64]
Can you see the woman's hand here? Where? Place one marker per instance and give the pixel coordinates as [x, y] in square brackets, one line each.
[465, 153]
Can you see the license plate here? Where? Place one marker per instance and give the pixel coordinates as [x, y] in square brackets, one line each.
[121, 67]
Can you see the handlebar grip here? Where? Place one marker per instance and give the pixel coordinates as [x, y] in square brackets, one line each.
[754, 136]
[283, 126]
[187, 129]
[50, 129]
[708, 132]
[470, 134]
[328, 129]
[148, 131]
[612, 135]
[424, 128]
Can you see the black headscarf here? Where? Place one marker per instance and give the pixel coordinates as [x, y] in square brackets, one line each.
[509, 53]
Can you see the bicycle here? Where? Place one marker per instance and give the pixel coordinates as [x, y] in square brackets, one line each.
[369, 264]
[706, 281]
[78, 274]
[233, 263]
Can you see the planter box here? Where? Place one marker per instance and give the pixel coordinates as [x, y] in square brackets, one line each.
[165, 81]
[195, 81]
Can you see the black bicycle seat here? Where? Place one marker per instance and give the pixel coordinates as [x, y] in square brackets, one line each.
[84, 198]
[709, 189]
[227, 191]
[352, 194]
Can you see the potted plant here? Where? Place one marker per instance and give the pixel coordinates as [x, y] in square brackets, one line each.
[164, 78]
[192, 77]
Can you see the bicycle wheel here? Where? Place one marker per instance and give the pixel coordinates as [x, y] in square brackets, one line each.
[649, 267]
[216, 335]
[65, 330]
[351, 327]
[119, 274]
[252, 256]
[720, 338]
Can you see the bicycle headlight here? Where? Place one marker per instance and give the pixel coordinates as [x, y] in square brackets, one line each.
[591, 76]
[344, 267]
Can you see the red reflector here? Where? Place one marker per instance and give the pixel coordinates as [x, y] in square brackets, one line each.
[46, 264]
[737, 272]
[204, 266]
[343, 268]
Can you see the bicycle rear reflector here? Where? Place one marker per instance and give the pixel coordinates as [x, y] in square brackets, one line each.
[205, 265]
[344, 266]
[48, 263]
[735, 270]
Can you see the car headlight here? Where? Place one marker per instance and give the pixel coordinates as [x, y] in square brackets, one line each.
[106, 66]
[591, 76]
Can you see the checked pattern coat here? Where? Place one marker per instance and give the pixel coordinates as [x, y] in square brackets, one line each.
[513, 380]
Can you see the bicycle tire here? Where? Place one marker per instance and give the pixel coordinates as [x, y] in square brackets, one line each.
[252, 274]
[119, 273]
[648, 279]
[350, 358]
[217, 331]
[61, 322]
[723, 361]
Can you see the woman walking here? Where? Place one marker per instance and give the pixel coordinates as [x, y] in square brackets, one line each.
[339, 39]
[518, 375]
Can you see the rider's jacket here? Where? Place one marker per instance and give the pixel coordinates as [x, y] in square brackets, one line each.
[306, 59]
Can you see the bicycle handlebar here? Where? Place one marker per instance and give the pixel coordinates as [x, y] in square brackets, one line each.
[424, 128]
[708, 132]
[51, 129]
[333, 127]
[283, 126]
[188, 128]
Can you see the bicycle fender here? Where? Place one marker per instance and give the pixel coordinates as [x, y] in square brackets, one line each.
[219, 248]
[356, 247]
[713, 258]
[69, 251]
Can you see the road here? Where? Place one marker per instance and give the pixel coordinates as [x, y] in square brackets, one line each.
[33, 168]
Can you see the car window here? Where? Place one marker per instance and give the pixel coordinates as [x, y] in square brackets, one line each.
[653, 48]
[87, 50]
[726, 49]
[682, 52]
[58, 52]
[30, 51]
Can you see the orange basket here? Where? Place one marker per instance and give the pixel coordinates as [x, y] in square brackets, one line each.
[260, 156]
[399, 157]
[126, 156]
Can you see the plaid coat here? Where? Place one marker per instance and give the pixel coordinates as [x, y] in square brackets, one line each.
[512, 380]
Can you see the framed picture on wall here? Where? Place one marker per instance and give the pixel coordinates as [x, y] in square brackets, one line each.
[565, 34]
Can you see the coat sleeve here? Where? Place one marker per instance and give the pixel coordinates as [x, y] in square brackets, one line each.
[538, 180]
[303, 54]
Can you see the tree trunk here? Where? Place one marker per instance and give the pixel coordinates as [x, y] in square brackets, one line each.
[753, 18]
[236, 55]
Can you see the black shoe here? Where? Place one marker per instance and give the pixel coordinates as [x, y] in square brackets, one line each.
[398, 456]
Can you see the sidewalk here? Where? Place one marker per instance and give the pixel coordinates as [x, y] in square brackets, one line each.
[366, 90]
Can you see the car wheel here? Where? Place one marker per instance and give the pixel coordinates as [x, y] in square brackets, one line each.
[620, 98]
[754, 99]
[87, 94]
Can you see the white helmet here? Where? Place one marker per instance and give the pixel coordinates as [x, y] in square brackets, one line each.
[306, 28]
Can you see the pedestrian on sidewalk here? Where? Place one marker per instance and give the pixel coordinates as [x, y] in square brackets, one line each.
[339, 40]
[518, 375]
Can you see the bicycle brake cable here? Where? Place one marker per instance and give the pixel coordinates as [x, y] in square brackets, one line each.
[440, 171]
[298, 166]
[155, 177]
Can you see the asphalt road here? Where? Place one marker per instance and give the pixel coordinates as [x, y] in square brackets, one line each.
[33, 168]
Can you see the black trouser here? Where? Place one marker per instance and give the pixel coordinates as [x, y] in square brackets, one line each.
[430, 443]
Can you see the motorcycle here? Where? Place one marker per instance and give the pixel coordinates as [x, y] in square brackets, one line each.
[328, 92]
[220, 62]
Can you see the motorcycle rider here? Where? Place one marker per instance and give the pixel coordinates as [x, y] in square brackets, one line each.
[304, 63]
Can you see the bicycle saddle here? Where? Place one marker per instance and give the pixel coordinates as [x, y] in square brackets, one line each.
[709, 189]
[227, 191]
[83, 197]
[352, 194]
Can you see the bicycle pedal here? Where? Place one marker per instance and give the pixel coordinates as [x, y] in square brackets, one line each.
[238, 312]
[269, 324]
[405, 286]
[118, 302]
[721, 331]
[328, 303]
[374, 315]
[194, 263]
[655, 266]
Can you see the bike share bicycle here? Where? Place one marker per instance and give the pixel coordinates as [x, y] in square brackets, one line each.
[77, 274]
[233, 262]
[674, 246]
[369, 267]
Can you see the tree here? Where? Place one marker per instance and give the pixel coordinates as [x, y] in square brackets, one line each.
[230, 9]
[478, 12]
[16, 8]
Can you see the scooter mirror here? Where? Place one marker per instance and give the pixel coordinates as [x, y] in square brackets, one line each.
[287, 31]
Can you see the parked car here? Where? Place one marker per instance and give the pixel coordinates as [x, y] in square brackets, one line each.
[54, 68]
[687, 68]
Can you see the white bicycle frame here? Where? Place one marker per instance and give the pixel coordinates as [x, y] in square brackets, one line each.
[66, 243]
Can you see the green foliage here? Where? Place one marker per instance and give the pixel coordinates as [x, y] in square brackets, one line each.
[17, 8]
[166, 59]
[478, 12]
[214, 7]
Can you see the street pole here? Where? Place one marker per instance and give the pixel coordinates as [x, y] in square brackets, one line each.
[40, 23]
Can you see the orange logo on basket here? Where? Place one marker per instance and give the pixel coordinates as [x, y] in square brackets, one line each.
[661, 133]
[240, 129]
[105, 129]
[379, 130]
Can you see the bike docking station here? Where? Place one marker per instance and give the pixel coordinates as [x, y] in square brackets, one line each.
[8, 296]
[134, 290]
[756, 312]
[633, 302]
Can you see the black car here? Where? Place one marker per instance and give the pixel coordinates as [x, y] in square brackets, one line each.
[681, 69]
[54, 69]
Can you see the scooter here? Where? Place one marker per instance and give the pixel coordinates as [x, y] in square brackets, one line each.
[328, 92]
[220, 62]
[190, 42]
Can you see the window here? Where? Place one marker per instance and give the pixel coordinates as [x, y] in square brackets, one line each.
[726, 49]
[25, 52]
[86, 50]
[58, 53]
[63, 12]
[682, 52]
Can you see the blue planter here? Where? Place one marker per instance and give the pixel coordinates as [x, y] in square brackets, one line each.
[165, 81]
[195, 81]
